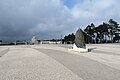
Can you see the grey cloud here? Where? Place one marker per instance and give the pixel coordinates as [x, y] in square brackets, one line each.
[96, 11]
[22, 18]
[19, 19]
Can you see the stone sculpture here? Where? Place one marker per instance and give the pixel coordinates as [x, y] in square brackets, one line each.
[79, 44]
[79, 39]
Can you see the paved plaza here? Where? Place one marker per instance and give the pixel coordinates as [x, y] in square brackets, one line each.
[56, 62]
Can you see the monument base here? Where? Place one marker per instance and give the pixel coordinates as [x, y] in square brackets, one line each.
[81, 50]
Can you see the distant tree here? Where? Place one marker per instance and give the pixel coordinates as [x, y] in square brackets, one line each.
[98, 30]
[70, 38]
[105, 31]
[0, 40]
[89, 30]
[113, 26]
[117, 35]
[102, 31]
[99, 34]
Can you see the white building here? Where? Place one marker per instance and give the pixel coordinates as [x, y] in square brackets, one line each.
[34, 40]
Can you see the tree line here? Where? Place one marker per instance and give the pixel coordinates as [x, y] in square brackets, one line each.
[107, 32]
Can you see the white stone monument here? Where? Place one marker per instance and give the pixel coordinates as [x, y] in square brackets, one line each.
[34, 40]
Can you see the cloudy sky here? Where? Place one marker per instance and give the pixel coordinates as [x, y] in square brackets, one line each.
[20, 19]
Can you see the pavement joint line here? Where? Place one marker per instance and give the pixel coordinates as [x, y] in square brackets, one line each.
[85, 57]
[2, 53]
[105, 52]
[37, 49]
[91, 52]
[80, 54]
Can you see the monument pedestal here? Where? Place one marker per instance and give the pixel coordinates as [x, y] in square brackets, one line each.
[81, 50]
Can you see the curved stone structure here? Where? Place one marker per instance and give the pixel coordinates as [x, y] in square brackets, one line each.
[79, 39]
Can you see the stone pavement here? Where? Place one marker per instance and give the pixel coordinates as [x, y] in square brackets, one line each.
[84, 67]
[22, 63]
[3, 51]
[55, 62]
